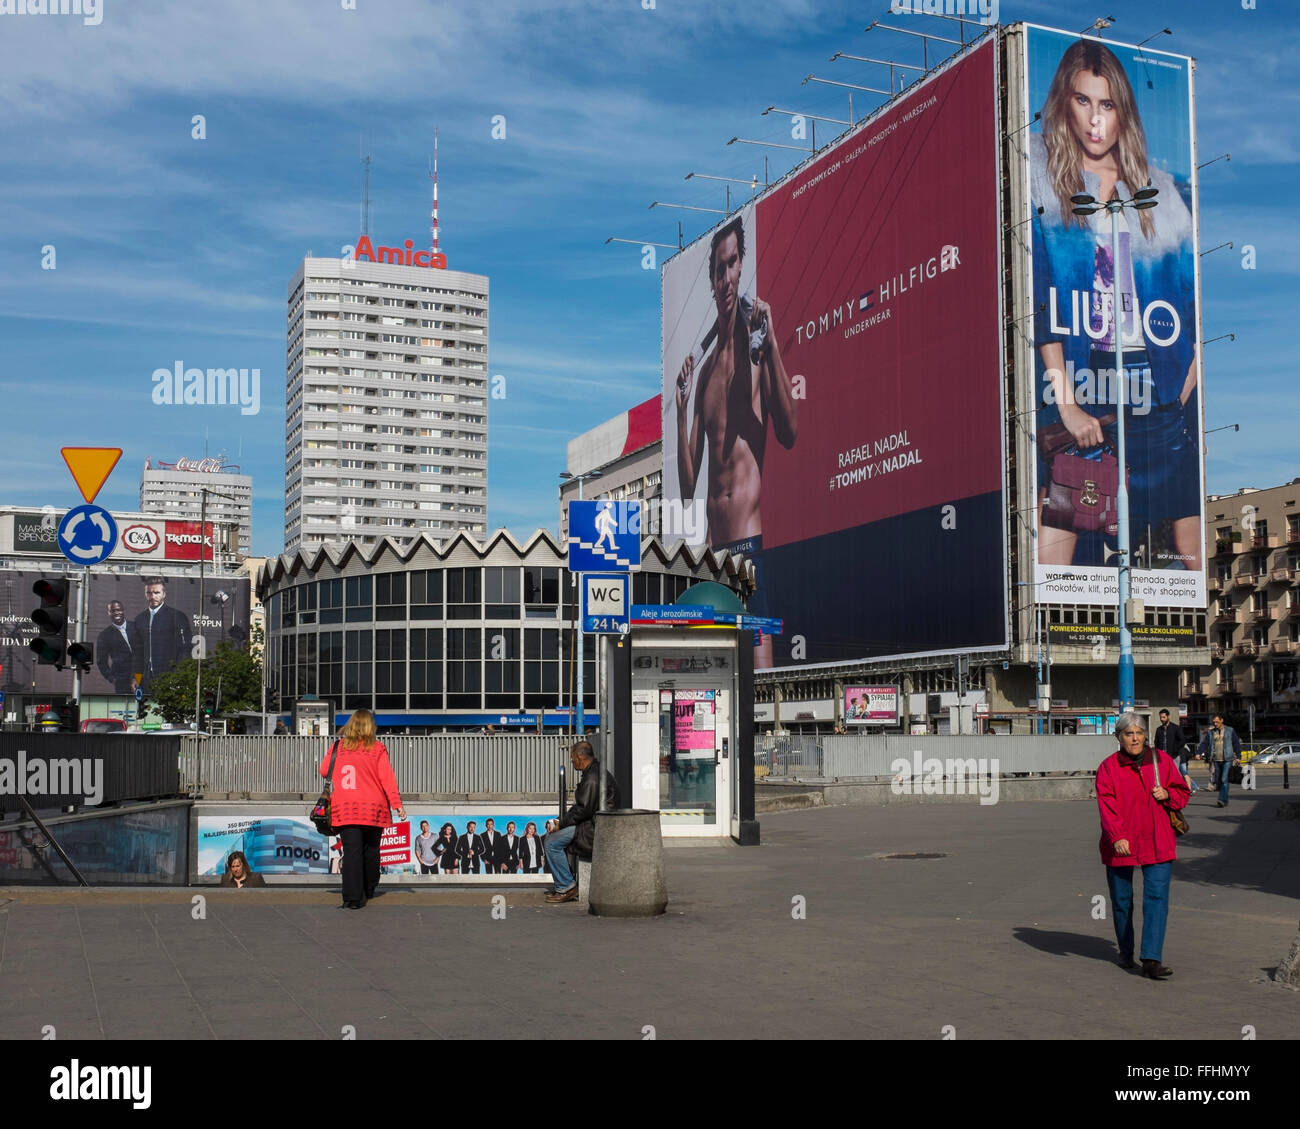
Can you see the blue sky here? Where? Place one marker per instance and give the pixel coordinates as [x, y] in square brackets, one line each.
[170, 248]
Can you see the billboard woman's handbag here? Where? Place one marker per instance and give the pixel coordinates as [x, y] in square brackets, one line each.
[320, 814]
[1081, 491]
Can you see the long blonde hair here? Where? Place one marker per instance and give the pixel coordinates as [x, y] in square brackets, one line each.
[360, 730]
[1064, 162]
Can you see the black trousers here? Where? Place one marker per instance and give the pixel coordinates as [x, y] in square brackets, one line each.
[360, 860]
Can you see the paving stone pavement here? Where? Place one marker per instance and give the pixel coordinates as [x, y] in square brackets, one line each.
[813, 935]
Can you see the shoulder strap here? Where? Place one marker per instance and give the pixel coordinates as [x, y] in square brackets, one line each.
[334, 752]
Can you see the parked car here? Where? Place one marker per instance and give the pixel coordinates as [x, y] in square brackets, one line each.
[103, 725]
[1284, 752]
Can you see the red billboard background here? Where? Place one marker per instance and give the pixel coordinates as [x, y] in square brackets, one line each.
[913, 361]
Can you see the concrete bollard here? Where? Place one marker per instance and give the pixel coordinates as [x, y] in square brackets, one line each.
[627, 865]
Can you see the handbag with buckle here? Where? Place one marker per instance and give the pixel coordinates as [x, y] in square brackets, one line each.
[1081, 491]
[1176, 818]
[321, 815]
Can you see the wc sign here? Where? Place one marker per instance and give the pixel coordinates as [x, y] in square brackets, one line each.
[604, 603]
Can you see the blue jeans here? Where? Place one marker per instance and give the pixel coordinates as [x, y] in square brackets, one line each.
[554, 845]
[1223, 770]
[1155, 906]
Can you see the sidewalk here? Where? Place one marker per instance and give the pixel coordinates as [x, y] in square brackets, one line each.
[996, 939]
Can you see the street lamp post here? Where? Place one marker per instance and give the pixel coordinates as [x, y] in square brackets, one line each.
[1085, 205]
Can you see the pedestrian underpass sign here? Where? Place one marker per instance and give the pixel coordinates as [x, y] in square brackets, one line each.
[604, 535]
[604, 603]
[87, 535]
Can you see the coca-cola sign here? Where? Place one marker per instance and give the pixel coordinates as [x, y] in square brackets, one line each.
[205, 465]
[140, 538]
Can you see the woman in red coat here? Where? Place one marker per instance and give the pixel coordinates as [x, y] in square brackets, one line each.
[363, 792]
[1137, 788]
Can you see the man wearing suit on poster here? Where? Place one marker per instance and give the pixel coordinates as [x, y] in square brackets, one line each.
[163, 632]
[491, 846]
[115, 650]
[469, 850]
[507, 859]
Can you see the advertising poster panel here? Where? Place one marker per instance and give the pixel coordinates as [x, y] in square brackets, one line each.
[1284, 682]
[832, 386]
[1114, 119]
[466, 846]
[138, 623]
[870, 705]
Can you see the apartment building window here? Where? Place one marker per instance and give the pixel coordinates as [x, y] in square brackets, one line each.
[358, 674]
[390, 669]
[390, 596]
[502, 671]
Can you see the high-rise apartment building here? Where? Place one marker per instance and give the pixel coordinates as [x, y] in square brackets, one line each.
[386, 401]
[189, 488]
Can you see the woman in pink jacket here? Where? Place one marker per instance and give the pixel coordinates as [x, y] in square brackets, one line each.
[364, 791]
[1137, 788]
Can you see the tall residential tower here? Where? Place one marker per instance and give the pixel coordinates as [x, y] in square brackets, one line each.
[386, 399]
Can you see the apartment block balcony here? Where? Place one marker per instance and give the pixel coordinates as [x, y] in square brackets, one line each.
[1213, 585]
[1261, 615]
[1293, 535]
[1292, 609]
[1218, 652]
[1282, 575]
[1284, 647]
[1227, 546]
[1227, 616]
[1263, 541]
[1246, 650]
[1222, 689]
[1246, 580]
[1189, 686]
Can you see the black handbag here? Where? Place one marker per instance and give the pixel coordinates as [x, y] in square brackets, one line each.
[321, 815]
[1235, 774]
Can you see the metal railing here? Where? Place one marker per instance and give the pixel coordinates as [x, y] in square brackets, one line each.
[876, 756]
[442, 765]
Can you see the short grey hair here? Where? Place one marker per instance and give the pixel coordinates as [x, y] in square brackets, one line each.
[1129, 720]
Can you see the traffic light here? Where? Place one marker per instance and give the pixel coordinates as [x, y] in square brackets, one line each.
[81, 656]
[209, 702]
[51, 620]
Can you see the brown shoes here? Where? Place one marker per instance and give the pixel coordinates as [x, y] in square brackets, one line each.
[558, 896]
[1155, 970]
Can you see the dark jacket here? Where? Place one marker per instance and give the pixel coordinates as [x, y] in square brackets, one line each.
[582, 815]
[1169, 739]
[531, 859]
[1231, 745]
[116, 657]
[464, 844]
[164, 639]
[252, 879]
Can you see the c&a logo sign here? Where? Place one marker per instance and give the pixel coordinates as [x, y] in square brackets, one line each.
[140, 538]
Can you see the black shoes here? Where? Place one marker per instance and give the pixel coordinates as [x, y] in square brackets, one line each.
[1154, 970]
[1126, 961]
[353, 905]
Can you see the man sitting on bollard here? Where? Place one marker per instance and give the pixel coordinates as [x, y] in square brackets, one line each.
[578, 824]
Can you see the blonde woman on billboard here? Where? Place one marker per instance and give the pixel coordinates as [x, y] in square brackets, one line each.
[1093, 143]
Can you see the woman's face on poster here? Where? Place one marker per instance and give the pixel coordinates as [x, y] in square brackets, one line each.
[1094, 120]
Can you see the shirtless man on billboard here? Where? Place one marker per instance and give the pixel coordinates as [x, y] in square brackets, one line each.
[737, 397]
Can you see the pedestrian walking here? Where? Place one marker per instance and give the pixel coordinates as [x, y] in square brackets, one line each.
[1137, 788]
[1221, 746]
[1170, 739]
[364, 795]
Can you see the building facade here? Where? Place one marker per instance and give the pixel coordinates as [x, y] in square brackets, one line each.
[191, 488]
[1253, 550]
[449, 636]
[621, 460]
[386, 403]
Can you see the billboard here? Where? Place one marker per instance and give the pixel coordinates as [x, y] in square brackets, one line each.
[1113, 120]
[429, 842]
[832, 389]
[139, 538]
[135, 626]
[870, 705]
[1284, 682]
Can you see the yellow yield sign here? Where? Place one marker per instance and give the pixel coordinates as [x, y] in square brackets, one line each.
[91, 467]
